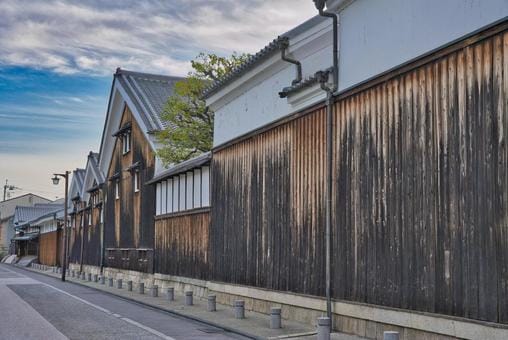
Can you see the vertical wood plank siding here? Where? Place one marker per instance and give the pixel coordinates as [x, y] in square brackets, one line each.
[181, 245]
[420, 193]
[49, 246]
[129, 219]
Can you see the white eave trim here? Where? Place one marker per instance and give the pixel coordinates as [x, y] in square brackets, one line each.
[303, 44]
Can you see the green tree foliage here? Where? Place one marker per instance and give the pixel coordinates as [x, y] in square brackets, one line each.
[189, 122]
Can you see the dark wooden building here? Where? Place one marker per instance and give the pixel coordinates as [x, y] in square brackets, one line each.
[420, 190]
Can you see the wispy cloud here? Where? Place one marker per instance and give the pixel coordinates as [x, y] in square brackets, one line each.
[157, 36]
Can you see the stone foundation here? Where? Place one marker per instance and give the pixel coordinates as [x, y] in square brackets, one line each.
[348, 317]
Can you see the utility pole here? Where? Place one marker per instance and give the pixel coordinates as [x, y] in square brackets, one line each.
[8, 187]
[65, 261]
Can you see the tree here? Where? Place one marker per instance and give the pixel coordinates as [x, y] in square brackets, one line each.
[189, 121]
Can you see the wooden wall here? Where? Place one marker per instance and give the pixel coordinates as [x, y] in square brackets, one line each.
[49, 248]
[129, 220]
[420, 197]
[181, 244]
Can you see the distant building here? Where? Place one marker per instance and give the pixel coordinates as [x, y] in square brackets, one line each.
[7, 209]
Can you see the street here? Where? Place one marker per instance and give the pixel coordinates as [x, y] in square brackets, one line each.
[35, 306]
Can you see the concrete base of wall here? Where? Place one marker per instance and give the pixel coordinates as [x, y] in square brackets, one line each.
[365, 320]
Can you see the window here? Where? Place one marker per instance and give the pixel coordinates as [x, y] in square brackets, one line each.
[183, 191]
[126, 142]
[164, 198]
[136, 181]
[102, 215]
[90, 217]
[117, 189]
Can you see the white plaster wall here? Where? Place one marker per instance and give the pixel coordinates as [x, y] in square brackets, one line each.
[260, 104]
[375, 36]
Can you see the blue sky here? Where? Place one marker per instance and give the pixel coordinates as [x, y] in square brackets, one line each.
[57, 59]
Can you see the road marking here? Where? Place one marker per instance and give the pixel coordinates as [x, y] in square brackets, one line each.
[104, 310]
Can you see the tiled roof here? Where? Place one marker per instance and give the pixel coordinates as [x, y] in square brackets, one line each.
[24, 215]
[149, 92]
[266, 52]
[183, 167]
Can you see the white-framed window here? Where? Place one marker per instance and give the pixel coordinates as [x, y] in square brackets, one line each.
[197, 188]
[136, 181]
[126, 142]
[90, 217]
[176, 194]
[117, 189]
[182, 192]
[170, 195]
[164, 189]
[102, 214]
[158, 200]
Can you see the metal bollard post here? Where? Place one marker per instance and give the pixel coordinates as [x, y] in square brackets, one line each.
[170, 293]
[95, 278]
[391, 335]
[239, 307]
[212, 303]
[119, 283]
[275, 320]
[110, 282]
[155, 291]
[89, 276]
[141, 288]
[129, 286]
[103, 280]
[323, 328]
[188, 298]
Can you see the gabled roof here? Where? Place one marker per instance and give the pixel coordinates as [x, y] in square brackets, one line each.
[93, 175]
[25, 215]
[76, 187]
[149, 92]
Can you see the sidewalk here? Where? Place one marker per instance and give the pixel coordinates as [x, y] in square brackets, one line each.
[255, 325]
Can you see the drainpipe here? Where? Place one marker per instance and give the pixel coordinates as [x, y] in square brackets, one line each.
[320, 4]
[283, 48]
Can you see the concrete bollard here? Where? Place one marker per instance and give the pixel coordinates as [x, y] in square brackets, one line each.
[323, 328]
[188, 298]
[170, 293]
[212, 303]
[103, 280]
[391, 335]
[95, 278]
[53, 269]
[59, 270]
[83, 276]
[239, 307]
[141, 288]
[155, 291]
[89, 276]
[119, 283]
[110, 282]
[129, 286]
[275, 320]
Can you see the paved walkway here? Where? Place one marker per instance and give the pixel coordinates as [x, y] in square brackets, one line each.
[255, 325]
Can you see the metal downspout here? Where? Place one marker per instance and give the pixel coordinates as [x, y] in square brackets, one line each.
[283, 48]
[320, 4]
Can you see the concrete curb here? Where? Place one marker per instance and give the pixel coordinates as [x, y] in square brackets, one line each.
[169, 311]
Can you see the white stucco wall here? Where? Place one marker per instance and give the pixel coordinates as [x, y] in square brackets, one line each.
[375, 36]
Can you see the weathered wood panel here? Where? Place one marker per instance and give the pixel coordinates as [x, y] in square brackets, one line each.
[49, 246]
[129, 219]
[181, 244]
[420, 192]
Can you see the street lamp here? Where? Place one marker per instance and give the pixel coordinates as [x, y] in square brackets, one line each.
[56, 180]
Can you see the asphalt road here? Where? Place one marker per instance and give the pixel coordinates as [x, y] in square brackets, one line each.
[35, 306]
